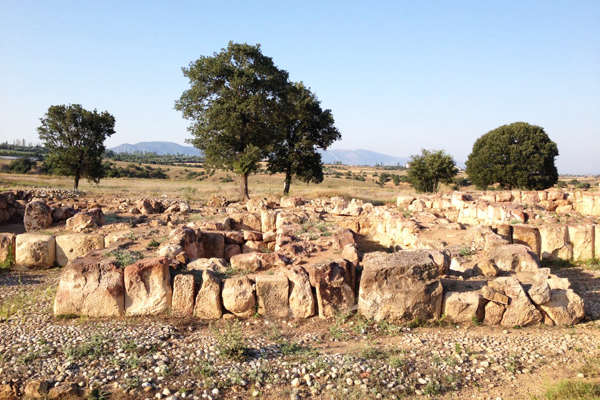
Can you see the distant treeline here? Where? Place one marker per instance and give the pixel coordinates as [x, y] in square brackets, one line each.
[153, 158]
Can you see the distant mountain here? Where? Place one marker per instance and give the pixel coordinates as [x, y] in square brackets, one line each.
[160, 148]
[360, 157]
[348, 157]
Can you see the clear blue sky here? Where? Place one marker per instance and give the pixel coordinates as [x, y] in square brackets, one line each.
[399, 76]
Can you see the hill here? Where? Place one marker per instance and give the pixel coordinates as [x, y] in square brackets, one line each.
[361, 157]
[160, 148]
[348, 157]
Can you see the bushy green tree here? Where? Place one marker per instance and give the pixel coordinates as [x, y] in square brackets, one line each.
[303, 129]
[22, 165]
[431, 168]
[518, 155]
[75, 139]
[232, 101]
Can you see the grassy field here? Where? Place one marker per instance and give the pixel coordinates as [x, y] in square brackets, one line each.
[261, 185]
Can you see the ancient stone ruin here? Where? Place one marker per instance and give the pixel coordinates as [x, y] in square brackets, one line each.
[464, 257]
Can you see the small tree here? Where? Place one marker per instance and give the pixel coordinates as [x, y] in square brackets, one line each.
[75, 139]
[429, 169]
[231, 103]
[518, 155]
[303, 129]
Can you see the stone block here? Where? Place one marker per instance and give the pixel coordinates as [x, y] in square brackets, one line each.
[148, 287]
[183, 296]
[529, 236]
[70, 247]
[582, 238]
[272, 294]
[208, 300]
[35, 250]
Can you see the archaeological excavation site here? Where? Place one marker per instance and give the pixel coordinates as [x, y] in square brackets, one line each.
[457, 295]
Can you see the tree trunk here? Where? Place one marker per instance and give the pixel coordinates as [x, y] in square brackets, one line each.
[244, 187]
[287, 183]
[76, 182]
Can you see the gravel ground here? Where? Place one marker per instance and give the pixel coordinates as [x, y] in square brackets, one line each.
[348, 358]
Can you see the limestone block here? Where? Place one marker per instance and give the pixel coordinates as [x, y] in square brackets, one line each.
[520, 311]
[596, 241]
[272, 294]
[232, 250]
[148, 287]
[212, 264]
[493, 313]
[183, 296]
[334, 284]
[86, 219]
[555, 242]
[7, 247]
[258, 261]
[268, 220]
[35, 251]
[208, 300]
[214, 244]
[529, 236]
[515, 257]
[301, 299]
[461, 307]
[582, 238]
[70, 247]
[38, 216]
[91, 286]
[400, 286]
[238, 296]
[113, 237]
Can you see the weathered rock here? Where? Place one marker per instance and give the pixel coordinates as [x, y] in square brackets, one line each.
[113, 237]
[65, 391]
[234, 237]
[539, 292]
[461, 307]
[505, 232]
[170, 250]
[253, 247]
[485, 268]
[91, 286]
[35, 251]
[148, 287]
[38, 216]
[555, 242]
[7, 247]
[62, 213]
[217, 201]
[253, 236]
[462, 266]
[520, 311]
[211, 264]
[443, 258]
[291, 202]
[87, 219]
[9, 391]
[401, 286]
[246, 221]
[564, 307]
[208, 299]
[515, 257]
[36, 389]
[342, 238]
[350, 253]
[301, 299]
[597, 240]
[146, 207]
[183, 296]
[188, 239]
[529, 236]
[493, 313]
[334, 283]
[268, 220]
[213, 244]
[258, 261]
[272, 295]
[582, 238]
[404, 201]
[238, 297]
[232, 250]
[494, 295]
[256, 205]
[70, 247]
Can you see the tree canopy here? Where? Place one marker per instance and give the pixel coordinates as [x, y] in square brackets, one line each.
[75, 139]
[303, 128]
[518, 155]
[431, 168]
[231, 104]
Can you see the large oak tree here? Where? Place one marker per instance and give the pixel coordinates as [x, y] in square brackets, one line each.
[518, 155]
[232, 103]
[303, 128]
[75, 139]
[430, 169]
